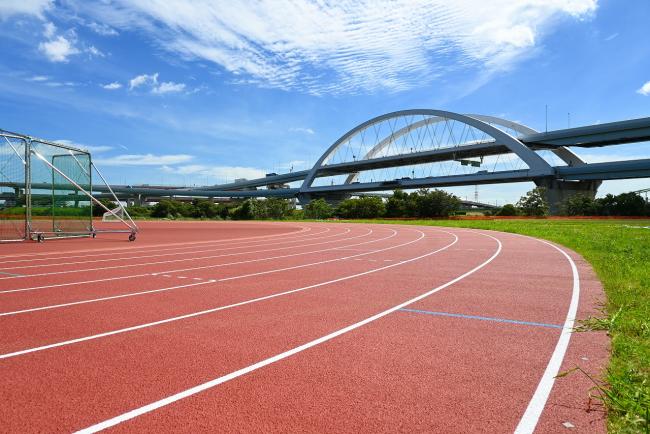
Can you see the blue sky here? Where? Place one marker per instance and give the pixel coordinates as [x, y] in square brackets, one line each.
[171, 92]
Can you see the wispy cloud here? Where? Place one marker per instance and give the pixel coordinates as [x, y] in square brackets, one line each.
[112, 86]
[151, 81]
[36, 8]
[39, 78]
[301, 130]
[645, 89]
[220, 172]
[610, 37]
[93, 149]
[144, 160]
[348, 46]
[102, 29]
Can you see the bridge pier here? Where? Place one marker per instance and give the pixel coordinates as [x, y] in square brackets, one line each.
[557, 191]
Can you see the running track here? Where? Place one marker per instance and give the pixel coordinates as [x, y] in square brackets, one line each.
[297, 327]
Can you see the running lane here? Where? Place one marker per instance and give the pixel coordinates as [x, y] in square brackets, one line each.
[466, 358]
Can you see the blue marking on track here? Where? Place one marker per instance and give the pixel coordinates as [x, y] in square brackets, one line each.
[483, 318]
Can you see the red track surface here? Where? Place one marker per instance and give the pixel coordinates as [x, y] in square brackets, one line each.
[296, 327]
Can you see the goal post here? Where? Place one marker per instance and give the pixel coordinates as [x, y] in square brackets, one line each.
[51, 194]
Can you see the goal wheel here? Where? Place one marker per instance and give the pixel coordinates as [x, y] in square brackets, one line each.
[94, 235]
[132, 237]
[40, 238]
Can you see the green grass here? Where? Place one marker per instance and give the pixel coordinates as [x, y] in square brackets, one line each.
[620, 255]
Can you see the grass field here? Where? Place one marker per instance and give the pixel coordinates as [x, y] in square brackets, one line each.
[619, 251]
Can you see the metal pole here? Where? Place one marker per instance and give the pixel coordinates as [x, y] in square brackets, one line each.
[114, 195]
[81, 189]
[28, 189]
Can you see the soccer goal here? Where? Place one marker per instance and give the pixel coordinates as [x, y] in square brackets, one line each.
[47, 192]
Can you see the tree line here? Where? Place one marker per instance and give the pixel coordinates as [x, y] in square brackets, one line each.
[534, 203]
[418, 204]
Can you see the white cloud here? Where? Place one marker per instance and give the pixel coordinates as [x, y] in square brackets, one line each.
[39, 78]
[142, 80]
[9, 8]
[49, 30]
[347, 46]
[102, 29]
[91, 148]
[301, 130]
[645, 89]
[220, 172]
[58, 49]
[152, 82]
[144, 160]
[94, 51]
[168, 87]
[112, 86]
[610, 37]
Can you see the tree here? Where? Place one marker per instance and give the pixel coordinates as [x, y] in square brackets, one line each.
[167, 208]
[203, 208]
[580, 204]
[318, 209]
[435, 203]
[243, 211]
[98, 211]
[276, 208]
[400, 204]
[361, 208]
[508, 210]
[534, 203]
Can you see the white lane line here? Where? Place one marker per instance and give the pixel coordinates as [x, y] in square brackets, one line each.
[106, 279]
[537, 403]
[248, 261]
[115, 267]
[217, 309]
[152, 246]
[113, 259]
[241, 276]
[113, 297]
[220, 380]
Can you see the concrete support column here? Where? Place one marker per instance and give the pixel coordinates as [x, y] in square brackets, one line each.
[557, 191]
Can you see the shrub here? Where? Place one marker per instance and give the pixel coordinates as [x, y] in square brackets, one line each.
[361, 208]
[508, 210]
[318, 209]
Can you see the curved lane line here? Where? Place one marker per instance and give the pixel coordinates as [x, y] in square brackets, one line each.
[153, 291]
[212, 249]
[106, 279]
[230, 306]
[220, 380]
[150, 246]
[531, 416]
[114, 267]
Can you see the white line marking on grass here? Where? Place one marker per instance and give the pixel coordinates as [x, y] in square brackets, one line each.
[217, 309]
[241, 276]
[220, 380]
[537, 403]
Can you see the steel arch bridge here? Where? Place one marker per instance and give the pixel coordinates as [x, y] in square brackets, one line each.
[435, 148]
[426, 148]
